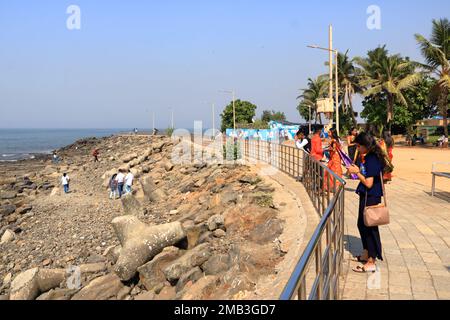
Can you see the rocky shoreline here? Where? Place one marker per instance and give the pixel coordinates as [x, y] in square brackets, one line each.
[189, 231]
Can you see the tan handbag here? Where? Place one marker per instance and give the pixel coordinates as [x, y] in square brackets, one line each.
[377, 215]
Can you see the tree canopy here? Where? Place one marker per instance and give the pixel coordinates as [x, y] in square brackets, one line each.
[245, 112]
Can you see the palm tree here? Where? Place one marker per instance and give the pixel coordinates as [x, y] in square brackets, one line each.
[348, 83]
[436, 52]
[316, 89]
[388, 75]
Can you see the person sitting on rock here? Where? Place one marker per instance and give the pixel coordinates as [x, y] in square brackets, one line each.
[128, 181]
[65, 182]
[113, 186]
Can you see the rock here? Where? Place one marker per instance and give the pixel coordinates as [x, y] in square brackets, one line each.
[93, 267]
[193, 234]
[200, 183]
[29, 284]
[151, 274]
[205, 237]
[151, 191]
[57, 294]
[5, 195]
[145, 296]
[8, 236]
[158, 146]
[7, 279]
[192, 275]
[219, 233]
[3, 297]
[112, 253]
[6, 210]
[266, 232]
[228, 197]
[55, 192]
[123, 293]
[131, 205]
[7, 180]
[189, 260]
[24, 209]
[250, 179]
[202, 289]
[168, 166]
[129, 157]
[215, 222]
[140, 242]
[101, 288]
[167, 293]
[46, 262]
[217, 264]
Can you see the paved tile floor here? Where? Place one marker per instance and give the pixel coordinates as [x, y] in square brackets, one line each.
[416, 247]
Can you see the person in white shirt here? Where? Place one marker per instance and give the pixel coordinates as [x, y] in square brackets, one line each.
[301, 142]
[128, 182]
[120, 182]
[65, 182]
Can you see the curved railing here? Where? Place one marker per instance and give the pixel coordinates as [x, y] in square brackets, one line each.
[326, 247]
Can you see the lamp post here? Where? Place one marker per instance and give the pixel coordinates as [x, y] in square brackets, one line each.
[336, 52]
[232, 92]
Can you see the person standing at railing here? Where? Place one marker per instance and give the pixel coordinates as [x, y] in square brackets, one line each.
[334, 164]
[316, 144]
[370, 192]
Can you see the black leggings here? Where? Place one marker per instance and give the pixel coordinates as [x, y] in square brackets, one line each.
[370, 236]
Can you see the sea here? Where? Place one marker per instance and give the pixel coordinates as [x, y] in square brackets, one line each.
[20, 144]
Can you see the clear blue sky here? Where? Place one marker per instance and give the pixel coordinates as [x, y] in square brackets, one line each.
[131, 58]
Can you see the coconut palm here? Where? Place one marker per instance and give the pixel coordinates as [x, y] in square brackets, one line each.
[316, 89]
[389, 75]
[348, 83]
[436, 52]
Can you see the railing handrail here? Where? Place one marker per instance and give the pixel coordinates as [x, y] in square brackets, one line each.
[297, 277]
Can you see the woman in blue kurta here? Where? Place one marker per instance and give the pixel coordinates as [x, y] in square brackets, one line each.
[369, 173]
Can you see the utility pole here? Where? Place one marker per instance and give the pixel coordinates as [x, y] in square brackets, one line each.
[330, 85]
[234, 112]
[337, 92]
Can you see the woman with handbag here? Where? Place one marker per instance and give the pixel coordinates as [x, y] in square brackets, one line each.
[370, 190]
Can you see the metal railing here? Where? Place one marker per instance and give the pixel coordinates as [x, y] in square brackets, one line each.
[325, 249]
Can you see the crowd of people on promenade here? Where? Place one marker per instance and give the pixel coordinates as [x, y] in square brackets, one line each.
[368, 158]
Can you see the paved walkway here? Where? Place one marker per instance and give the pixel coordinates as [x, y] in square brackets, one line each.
[416, 247]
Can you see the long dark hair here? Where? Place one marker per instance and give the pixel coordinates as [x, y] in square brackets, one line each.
[368, 141]
[388, 139]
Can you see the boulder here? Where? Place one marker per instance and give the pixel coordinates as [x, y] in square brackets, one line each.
[202, 289]
[24, 209]
[57, 294]
[151, 274]
[112, 253]
[101, 288]
[158, 146]
[219, 233]
[7, 236]
[189, 260]
[7, 180]
[151, 191]
[218, 263]
[193, 233]
[141, 242]
[131, 205]
[168, 166]
[145, 296]
[250, 179]
[7, 209]
[192, 275]
[7, 195]
[215, 222]
[129, 157]
[167, 293]
[29, 284]
[92, 267]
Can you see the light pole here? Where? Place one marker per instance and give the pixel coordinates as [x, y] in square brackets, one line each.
[336, 53]
[234, 108]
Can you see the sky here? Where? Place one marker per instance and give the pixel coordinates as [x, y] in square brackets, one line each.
[133, 58]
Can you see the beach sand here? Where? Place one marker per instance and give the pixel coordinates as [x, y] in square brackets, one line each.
[415, 163]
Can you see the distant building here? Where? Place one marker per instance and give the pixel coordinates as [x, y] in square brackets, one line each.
[430, 127]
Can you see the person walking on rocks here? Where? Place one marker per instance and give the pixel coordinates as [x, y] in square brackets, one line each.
[120, 181]
[65, 182]
[95, 154]
[128, 181]
[113, 186]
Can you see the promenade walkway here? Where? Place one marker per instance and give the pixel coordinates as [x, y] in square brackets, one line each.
[416, 246]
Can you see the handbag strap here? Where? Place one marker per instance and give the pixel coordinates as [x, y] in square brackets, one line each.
[384, 195]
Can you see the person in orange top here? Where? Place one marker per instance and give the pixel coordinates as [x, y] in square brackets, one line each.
[334, 164]
[316, 144]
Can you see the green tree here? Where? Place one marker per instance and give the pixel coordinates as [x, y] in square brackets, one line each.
[268, 116]
[316, 89]
[436, 52]
[245, 112]
[387, 76]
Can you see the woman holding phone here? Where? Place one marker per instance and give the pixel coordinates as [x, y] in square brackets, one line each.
[370, 192]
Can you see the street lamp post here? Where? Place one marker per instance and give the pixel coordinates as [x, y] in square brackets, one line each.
[336, 52]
